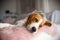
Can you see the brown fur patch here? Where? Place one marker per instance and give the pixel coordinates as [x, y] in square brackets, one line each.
[35, 17]
[48, 23]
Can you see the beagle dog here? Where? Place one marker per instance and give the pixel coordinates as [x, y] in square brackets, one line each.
[35, 21]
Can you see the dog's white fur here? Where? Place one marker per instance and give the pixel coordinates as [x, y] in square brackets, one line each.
[3, 25]
[21, 22]
[34, 25]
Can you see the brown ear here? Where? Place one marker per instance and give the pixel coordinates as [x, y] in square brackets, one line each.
[47, 23]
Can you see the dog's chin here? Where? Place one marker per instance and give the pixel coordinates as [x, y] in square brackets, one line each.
[29, 29]
[32, 28]
[33, 32]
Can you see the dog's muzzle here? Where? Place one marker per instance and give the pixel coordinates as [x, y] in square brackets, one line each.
[33, 29]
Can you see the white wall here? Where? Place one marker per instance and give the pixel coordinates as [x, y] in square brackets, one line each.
[7, 5]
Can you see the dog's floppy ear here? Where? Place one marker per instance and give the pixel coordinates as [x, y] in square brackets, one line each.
[47, 23]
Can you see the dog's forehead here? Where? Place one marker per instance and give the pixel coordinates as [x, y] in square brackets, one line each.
[36, 14]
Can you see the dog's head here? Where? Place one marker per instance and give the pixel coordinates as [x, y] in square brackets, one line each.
[35, 21]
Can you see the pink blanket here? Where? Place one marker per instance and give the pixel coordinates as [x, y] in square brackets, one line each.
[21, 33]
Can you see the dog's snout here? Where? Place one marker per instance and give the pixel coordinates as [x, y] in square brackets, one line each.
[33, 29]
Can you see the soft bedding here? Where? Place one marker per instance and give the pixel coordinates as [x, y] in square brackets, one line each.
[21, 33]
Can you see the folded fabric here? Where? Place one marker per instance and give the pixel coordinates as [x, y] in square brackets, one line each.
[21, 33]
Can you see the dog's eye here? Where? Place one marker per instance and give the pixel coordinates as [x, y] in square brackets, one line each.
[36, 20]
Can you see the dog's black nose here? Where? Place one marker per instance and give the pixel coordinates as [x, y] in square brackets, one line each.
[33, 29]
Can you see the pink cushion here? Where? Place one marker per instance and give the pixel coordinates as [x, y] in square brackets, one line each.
[21, 33]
